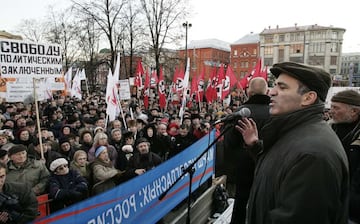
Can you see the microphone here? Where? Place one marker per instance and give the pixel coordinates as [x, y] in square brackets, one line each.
[244, 112]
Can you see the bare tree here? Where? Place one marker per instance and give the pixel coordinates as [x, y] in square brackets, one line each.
[88, 40]
[163, 18]
[106, 14]
[61, 29]
[133, 35]
[31, 30]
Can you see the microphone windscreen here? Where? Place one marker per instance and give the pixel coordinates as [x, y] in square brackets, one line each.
[245, 112]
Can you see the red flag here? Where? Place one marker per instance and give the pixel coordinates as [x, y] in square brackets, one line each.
[244, 82]
[256, 72]
[220, 82]
[179, 82]
[264, 73]
[154, 79]
[138, 76]
[229, 82]
[211, 88]
[146, 90]
[161, 89]
[176, 74]
[200, 86]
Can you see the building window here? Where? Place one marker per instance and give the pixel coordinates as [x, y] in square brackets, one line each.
[255, 51]
[281, 37]
[334, 35]
[334, 47]
[269, 38]
[333, 60]
[235, 64]
[296, 48]
[316, 60]
[268, 50]
[235, 52]
[332, 71]
[317, 47]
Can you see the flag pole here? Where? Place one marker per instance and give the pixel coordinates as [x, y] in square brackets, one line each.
[38, 120]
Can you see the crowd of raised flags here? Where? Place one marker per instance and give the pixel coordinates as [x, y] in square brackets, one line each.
[181, 91]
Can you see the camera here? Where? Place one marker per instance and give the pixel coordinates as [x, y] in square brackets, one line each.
[10, 204]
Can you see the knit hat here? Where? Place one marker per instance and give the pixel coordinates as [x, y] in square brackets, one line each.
[350, 97]
[315, 79]
[99, 150]
[16, 148]
[63, 140]
[57, 162]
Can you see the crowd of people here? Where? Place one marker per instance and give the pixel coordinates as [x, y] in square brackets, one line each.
[78, 153]
[292, 161]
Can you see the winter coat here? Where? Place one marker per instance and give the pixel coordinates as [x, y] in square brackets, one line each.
[142, 161]
[104, 176]
[301, 174]
[67, 189]
[26, 198]
[111, 150]
[33, 172]
[180, 143]
[239, 166]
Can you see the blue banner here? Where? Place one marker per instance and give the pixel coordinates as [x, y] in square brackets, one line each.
[137, 200]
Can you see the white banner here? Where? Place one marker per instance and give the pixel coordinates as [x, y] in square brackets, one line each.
[124, 89]
[20, 58]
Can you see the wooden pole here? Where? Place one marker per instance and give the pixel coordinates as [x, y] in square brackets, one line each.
[38, 120]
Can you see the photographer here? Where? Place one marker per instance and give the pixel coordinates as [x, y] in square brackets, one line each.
[18, 202]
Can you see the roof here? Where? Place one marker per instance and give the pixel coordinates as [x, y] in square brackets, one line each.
[248, 39]
[209, 43]
[298, 28]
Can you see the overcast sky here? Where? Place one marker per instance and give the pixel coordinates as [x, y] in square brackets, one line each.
[227, 20]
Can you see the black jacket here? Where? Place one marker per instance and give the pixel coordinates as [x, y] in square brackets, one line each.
[238, 164]
[301, 174]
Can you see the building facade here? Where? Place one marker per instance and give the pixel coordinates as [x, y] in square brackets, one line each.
[314, 45]
[350, 70]
[205, 55]
[244, 54]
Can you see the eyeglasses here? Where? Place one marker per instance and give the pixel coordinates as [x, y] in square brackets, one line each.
[61, 167]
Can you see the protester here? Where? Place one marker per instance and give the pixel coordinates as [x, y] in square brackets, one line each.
[302, 171]
[66, 186]
[4, 157]
[345, 119]
[19, 203]
[239, 165]
[143, 161]
[81, 164]
[86, 140]
[104, 175]
[34, 151]
[101, 139]
[27, 170]
[182, 140]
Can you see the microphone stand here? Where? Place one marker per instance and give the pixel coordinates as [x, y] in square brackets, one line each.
[190, 170]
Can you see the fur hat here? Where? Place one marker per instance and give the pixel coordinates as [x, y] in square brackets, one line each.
[17, 148]
[141, 140]
[350, 97]
[315, 79]
[57, 162]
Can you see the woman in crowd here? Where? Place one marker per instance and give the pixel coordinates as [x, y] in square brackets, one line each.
[104, 175]
[66, 186]
[101, 139]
